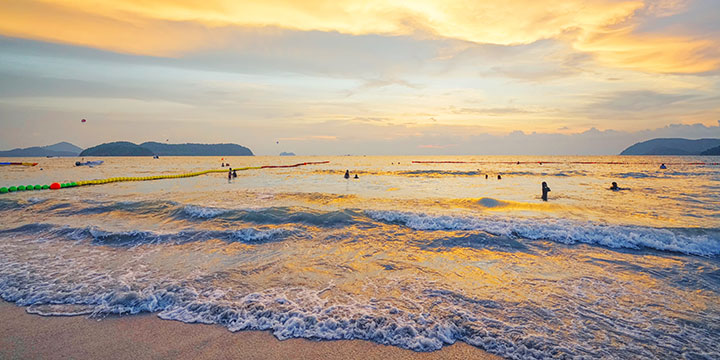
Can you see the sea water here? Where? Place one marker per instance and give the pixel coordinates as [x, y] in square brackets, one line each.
[415, 255]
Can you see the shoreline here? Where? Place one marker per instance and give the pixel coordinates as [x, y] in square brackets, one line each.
[24, 336]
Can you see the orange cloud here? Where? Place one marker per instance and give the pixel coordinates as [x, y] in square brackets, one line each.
[650, 52]
[173, 27]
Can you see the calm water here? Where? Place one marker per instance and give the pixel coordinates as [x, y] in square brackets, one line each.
[413, 255]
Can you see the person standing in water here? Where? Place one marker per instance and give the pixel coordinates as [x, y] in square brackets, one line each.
[347, 174]
[499, 177]
[545, 191]
[234, 172]
[230, 174]
[356, 177]
[663, 166]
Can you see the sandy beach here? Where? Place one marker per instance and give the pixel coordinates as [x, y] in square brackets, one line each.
[27, 336]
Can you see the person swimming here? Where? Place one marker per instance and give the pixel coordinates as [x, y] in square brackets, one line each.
[234, 173]
[545, 191]
[615, 187]
[356, 177]
[663, 166]
[347, 174]
[499, 177]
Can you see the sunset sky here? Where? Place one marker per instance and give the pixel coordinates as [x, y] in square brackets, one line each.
[361, 77]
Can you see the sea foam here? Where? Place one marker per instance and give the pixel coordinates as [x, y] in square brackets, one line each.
[705, 242]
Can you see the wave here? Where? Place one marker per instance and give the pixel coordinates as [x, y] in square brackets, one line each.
[274, 215]
[173, 210]
[654, 174]
[514, 330]
[158, 207]
[15, 204]
[41, 232]
[294, 312]
[458, 173]
[704, 242]
[202, 212]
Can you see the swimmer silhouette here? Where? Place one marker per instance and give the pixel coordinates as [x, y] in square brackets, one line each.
[545, 190]
[663, 166]
[347, 174]
[499, 177]
[356, 177]
[486, 176]
[615, 187]
[234, 173]
[230, 174]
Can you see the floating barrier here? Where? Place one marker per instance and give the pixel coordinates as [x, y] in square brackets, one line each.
[17, 163]
[56, 186]
[563, 162]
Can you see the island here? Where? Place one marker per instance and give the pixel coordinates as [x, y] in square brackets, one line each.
[60, 149]
[190, 149]
[117, 148]
[287, 153]
[712, 151]
[672, 146]
[126, 148]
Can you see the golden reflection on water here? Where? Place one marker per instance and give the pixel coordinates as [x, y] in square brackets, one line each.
[372, 263]
[455, 249]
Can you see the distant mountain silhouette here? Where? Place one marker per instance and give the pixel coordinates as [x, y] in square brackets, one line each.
[64, 146]
[197, 149]
[118, 148]
[712, 151]
[59, 149]
[125, 148]
[671, 146]
[287, 153]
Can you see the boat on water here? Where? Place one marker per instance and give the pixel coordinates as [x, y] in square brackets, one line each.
[89, 163]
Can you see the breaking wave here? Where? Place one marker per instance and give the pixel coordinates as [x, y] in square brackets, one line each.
[705, 242]
[41, 232]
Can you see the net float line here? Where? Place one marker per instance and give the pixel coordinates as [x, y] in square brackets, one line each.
[17, 163]
[563, 162]
[56, 186]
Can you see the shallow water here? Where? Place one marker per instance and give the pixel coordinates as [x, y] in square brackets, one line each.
[416, 255]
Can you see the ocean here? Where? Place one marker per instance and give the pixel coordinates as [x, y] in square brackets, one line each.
[414, 255]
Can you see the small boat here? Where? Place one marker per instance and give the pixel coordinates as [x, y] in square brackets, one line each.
[17, 163]
[89, 163]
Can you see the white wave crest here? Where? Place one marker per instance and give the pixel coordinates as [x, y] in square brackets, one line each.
[564, 231]
[202, 212]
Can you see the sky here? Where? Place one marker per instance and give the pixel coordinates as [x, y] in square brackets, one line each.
[374, 77]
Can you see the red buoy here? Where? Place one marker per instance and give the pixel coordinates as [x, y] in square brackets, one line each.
[54, 186]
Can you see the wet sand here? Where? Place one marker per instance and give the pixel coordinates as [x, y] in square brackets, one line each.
[27, 336]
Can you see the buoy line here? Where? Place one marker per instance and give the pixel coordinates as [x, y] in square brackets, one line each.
[56, 186]
[561, 162]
